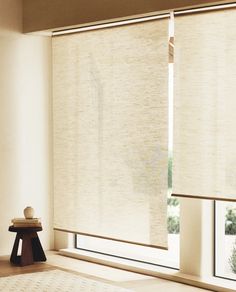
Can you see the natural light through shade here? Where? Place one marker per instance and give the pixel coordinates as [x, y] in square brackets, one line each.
[110, 110]
[168, 258]
[204, 113]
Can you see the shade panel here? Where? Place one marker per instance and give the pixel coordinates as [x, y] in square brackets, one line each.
[110, 116]
[204, 156]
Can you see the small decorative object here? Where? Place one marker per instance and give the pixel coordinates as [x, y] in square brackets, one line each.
[29, 212]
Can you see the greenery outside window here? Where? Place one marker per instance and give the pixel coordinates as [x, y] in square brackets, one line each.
[225, 240]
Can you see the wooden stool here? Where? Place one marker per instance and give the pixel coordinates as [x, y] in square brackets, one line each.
[31, 251]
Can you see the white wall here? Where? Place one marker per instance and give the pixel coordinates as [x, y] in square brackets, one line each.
[25, 89]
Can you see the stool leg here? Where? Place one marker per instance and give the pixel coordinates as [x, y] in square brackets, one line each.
[26, 253]
[14, 258]
[38, 253]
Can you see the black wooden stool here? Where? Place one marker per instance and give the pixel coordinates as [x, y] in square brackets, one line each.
[31, 251]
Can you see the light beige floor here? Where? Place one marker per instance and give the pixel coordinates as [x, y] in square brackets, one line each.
[133, 281]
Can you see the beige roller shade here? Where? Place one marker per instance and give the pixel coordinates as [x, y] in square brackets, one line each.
[205, 105]
[110, 112]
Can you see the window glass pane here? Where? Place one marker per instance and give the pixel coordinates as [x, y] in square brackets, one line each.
[225, 240]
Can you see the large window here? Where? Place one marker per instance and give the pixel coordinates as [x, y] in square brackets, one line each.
[198, 255]
[225, 240]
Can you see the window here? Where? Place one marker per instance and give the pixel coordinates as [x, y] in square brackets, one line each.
[225, 240]
[197, 216]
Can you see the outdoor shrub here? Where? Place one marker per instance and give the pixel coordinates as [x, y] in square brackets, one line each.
[232, 259]
[173, 202]
[173, 224]
[230, 221]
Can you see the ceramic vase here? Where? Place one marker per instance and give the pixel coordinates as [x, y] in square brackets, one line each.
[29, 212]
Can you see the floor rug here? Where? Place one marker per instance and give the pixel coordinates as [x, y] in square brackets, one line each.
[54, 281]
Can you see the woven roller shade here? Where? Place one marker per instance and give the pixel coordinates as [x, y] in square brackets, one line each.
[110, 117]
[205, 106]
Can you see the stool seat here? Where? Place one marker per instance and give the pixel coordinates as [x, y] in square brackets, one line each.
[24, 229]
[31, 251]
